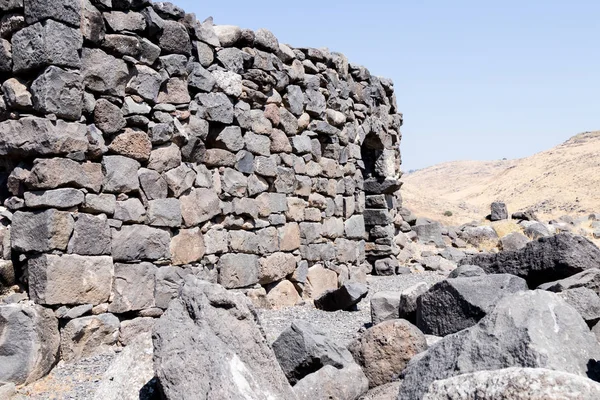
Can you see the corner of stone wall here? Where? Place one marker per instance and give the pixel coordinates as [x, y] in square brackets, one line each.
[140, 145]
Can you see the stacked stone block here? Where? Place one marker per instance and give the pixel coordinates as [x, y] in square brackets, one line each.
[140, 145]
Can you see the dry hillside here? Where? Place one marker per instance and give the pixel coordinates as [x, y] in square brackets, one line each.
[559, 181]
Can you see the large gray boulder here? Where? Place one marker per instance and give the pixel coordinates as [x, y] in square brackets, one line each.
[589, 279]
[534, 329]
[585, 301]
[317, 367]
[209, 345]
[515, 384]
[349, 383]
[545, 260]
[29, 342]
[129, 373]
[407, 309]
[103, 73]
[455, 304]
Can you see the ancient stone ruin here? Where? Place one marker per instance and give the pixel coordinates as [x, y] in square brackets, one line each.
[139, 145]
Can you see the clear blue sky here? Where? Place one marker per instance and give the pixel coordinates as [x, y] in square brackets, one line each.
[474, 80]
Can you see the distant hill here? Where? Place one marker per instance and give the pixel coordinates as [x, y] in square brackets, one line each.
[559, 181]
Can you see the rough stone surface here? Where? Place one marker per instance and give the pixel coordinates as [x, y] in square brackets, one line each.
[316, 366]
[385, 306]
[40, 45]
[58, 92]
[52, 173]
[217, 349]
[133, 144]
[319, 280]
[36, 136]
[384, 350]
[29, 342]
[545, 260]
[58, 198]
[276, 267]
[515, 383]
[103, 73]
[238, 270]
[187, 247]
[41, 231]
[91, 236]
[129, 372]
[585, 301]
[514, 334]
[499, 211]
[140, 242]
[455, 304]
[70, 279]
[84, 337]
[120, 174]
[198, 206]
[343, 298]
[133, 287]
[409, 300]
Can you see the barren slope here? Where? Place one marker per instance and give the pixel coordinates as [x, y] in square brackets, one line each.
[562, 180]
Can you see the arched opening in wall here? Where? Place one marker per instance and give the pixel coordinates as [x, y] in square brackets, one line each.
[371, 150]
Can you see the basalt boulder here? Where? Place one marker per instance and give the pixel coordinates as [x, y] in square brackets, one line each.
[534, 329]
[209, 345]
[545, 260]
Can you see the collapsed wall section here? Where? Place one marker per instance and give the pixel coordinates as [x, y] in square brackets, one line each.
[140, 145]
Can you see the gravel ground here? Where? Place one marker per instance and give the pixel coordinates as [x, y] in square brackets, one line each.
[72, 381]
[342, 326]
[79, 380]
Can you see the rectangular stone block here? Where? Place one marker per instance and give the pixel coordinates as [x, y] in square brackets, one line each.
[47, 43]
[91, 236]
[377, 217]
[140, 242]
[238, 270]
[59, 198]
[70, 279]
[133, 287]
[51, 173]
[33, 136]
[41, 231]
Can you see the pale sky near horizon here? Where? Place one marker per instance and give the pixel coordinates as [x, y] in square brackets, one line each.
[474, 80]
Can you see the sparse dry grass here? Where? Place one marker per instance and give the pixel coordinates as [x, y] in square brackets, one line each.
[564, 180]
[506, 227]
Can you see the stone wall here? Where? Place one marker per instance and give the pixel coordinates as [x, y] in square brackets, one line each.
[140, 145]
